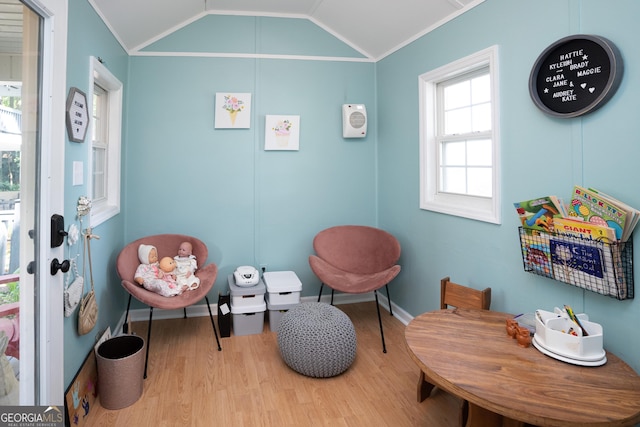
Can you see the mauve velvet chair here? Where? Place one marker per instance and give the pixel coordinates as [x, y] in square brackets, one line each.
[167, 245]
[356, 259]
[11, 327]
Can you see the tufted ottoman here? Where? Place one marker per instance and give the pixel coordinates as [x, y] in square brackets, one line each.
[317, 340]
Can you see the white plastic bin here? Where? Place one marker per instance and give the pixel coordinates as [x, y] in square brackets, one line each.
[283, 287]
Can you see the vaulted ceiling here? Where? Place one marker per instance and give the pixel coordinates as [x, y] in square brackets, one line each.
[375, 28]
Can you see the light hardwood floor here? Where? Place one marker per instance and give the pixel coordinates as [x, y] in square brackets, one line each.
[190, 383]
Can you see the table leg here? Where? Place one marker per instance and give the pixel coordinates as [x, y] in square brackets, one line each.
[424, 387]
[480, 417]
[510, 422]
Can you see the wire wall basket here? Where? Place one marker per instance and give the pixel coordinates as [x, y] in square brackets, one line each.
[597, 266]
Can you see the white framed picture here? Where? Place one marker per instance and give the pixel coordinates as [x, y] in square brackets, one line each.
[233, 110]
[282, 133]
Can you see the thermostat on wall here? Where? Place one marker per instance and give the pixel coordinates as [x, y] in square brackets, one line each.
[354, 121]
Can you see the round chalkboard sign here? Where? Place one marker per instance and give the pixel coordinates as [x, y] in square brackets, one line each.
[575, 75]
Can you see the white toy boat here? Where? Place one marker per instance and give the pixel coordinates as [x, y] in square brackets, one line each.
[553, 337]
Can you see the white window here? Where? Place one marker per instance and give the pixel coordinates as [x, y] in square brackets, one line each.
[459, 138]
[106, 130]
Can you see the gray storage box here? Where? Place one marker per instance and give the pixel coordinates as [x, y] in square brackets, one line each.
[246, 295]
[247, 319]
[276, 311]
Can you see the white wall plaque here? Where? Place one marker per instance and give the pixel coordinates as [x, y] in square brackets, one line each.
[77, 115]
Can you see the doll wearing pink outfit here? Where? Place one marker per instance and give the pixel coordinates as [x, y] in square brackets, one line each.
[186, 266]
[150, 275]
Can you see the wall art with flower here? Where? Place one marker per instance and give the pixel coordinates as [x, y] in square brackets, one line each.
[282, 133]
[233, 110]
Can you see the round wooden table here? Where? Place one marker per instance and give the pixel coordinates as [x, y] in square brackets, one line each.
[469, 354]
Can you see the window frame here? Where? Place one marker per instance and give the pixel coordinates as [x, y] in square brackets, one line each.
[101, 143]
[101, 76]
[487, 209]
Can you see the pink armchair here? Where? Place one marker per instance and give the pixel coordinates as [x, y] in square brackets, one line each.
[167, 245]
[10, 320]
[356, 259]
[10, 325]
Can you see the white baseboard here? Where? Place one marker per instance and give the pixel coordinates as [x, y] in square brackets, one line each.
[142, 314]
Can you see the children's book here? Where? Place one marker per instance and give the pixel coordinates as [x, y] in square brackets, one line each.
[633, 215]
[598, 209]
[538, 214]
[536, 254]
[583, 229]
[583, 263]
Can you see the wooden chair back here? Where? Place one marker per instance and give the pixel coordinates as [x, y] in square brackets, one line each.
[455, 295]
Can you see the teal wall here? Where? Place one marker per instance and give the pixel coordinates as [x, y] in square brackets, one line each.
[88, 36]
[540, 155]
[181, 175]
[252, 206]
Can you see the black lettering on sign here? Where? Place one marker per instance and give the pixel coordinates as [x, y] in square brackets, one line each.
[77, 115]
[575, 75]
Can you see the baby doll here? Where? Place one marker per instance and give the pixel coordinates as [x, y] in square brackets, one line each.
[186, 266]
[150, 276]
[168, 267]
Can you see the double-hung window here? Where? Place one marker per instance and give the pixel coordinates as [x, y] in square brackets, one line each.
[106, 129]
[459, 138]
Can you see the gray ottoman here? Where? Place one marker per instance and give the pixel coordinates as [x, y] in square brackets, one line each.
[317, 340]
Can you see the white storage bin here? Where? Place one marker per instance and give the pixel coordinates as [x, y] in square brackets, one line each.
[283, 287]
[551, 334]
[276, 311]
[248, 320]
[246, 296]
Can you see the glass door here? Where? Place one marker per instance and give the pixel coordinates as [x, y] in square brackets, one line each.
[27, 136]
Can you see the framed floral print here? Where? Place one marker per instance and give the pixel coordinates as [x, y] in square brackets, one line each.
[233, 111]
[282, 133]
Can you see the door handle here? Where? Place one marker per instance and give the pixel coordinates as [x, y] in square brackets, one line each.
[57, 265]
[57, 230]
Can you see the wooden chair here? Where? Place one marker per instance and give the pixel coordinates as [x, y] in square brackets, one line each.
[455, 295]
[167, 245]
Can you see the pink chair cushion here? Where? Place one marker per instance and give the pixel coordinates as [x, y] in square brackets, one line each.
[167, 245]
[355, 258]
[351, 283]
[11, 327]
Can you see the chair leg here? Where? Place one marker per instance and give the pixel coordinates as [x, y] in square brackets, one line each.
[125, 327]
[320, 294]
[213, 323]
[384, 347]
[332, 291]
[185, 312]
[389, 299]
[146, 359]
